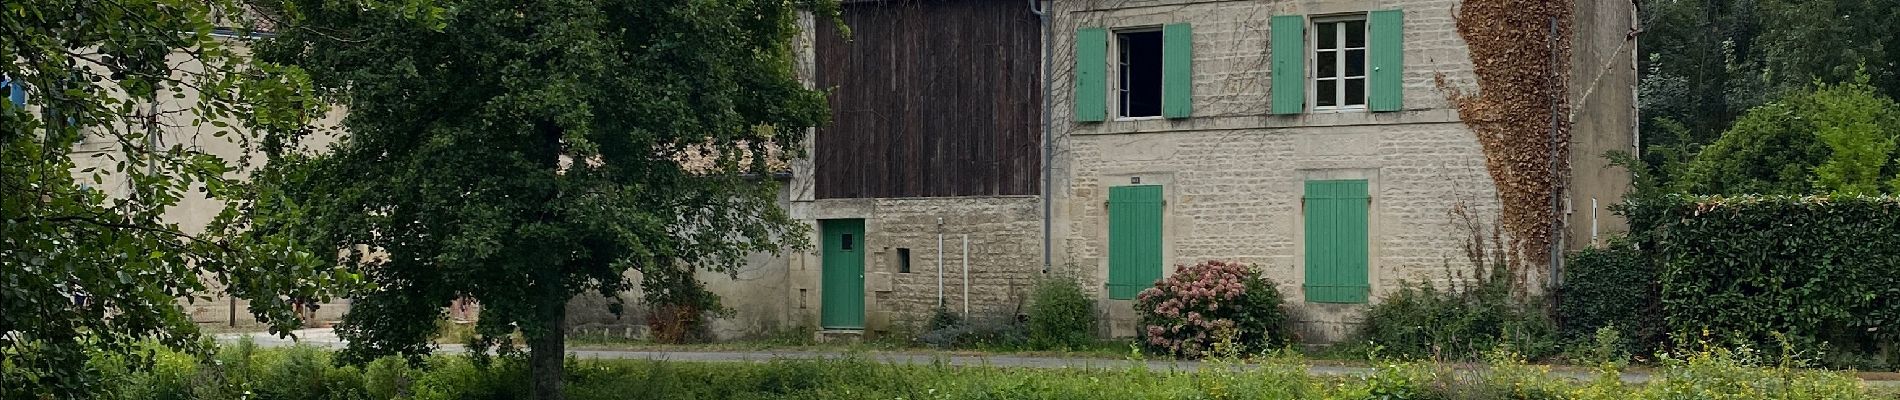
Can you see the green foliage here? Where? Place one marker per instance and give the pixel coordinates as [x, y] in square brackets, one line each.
[1860, 127]
[1277, 375]
[239, 372]
[1740, 374]
[520, 155]
[1061, 315]
[947, 330]
[1834, 138]
[1821, 275]
[1186, 313]
[1612, 287]
[1706, 61]
[145, 86]
[1422, 321]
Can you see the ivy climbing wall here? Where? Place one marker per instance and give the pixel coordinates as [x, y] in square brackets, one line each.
[1520, 53]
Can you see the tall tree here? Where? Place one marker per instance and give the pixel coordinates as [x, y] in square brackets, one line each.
[144, 82]
[1832, 138]
[523, 153]
[1706, 62]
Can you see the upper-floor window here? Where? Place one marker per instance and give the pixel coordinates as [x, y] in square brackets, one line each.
[1139, 67]
[1339, 63]
[1134, 73]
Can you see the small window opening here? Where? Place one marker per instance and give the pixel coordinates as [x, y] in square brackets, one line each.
[847, 242]
[1339, 64]
[1140, 65]
[903, 260]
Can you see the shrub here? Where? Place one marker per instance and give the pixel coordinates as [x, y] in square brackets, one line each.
[1061, 316]
[949, 331]
[1422, 321]
[387, 378]
[1822, 274]
[1833, 138]
[1186, 313]
[1611, 287]
[1737, 374]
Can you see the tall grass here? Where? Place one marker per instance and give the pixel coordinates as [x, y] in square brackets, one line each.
[306, 373]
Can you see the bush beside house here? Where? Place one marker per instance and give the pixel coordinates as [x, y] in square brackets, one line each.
[1187, 313]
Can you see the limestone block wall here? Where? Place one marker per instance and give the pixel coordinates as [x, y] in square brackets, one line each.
[1232, 174]
[1004, 257]
[754, 293]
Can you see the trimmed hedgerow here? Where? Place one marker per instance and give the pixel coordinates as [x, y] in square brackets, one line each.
[1611, 287]
[1808, 274]
[1187, 313]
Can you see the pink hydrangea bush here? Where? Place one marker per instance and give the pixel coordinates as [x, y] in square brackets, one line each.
[1185, 314]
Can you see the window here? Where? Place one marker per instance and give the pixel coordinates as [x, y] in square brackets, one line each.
[1140, 70]
[1339, 63]
[847, 242]
[903, 260]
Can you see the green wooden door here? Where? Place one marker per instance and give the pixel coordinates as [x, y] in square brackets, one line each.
[1336, 239]
[842, 280]
[1134, 239]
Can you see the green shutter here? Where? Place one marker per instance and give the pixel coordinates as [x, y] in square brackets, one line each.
[1386, 56]
[1336, 251]
[1177, 71]
[1289, 63]
[1091, 74]
[1134, 239]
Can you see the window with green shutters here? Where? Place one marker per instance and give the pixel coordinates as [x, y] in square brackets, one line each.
[1154, 74]
[1336, 241]
[1351, 62]
[1134, 239]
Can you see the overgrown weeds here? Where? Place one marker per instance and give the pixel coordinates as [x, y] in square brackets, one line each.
[307, 373]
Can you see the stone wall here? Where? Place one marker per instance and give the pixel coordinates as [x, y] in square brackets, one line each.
[1233, 174]
[754, 293]
[1004, 258]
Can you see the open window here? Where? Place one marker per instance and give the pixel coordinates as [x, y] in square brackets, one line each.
[1139, 63]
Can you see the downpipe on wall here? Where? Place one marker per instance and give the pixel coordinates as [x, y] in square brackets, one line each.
[939, 262]
[1048, 144]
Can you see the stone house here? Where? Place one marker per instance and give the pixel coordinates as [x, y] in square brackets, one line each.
[1311, 138]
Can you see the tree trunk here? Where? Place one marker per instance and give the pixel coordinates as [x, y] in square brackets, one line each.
[548, 352]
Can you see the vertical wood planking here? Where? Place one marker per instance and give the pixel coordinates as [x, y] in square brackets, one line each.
[930, 99]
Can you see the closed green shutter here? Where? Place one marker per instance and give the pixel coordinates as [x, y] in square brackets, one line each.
[1289, 63]
[1091, 74]
[1386, 56]
[1134, 239]
[1177, 71]
[1336, 251]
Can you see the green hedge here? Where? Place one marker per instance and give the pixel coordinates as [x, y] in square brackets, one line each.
[1614, 286]
[1774, 272]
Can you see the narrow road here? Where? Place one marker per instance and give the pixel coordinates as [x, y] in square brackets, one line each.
[324, 338]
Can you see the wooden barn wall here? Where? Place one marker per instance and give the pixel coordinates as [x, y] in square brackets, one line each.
[930, 99]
